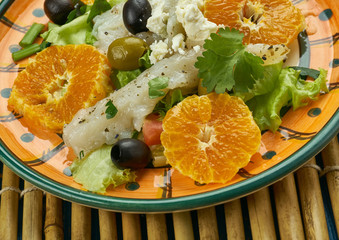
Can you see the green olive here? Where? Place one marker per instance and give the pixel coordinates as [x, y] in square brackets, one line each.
[124, 53]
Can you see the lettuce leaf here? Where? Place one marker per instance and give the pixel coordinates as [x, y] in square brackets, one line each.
[263, 84]
[289, 90]
[96, 171]
[122, 78]
[74, 32]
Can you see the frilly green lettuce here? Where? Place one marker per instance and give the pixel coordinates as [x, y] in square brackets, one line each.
[96, 171]
[74, 32]
[289, 90]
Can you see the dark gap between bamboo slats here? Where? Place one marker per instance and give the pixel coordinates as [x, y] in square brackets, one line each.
[156, 226]
[53, 228]
[330, 157]
[81, 222]
[234, 220]
[261, 215]
[131, 226]
[182, 223]
[9, 206]
[107, 225]
[288, 211]
[208, 226]
[312, 203]
[32, 213]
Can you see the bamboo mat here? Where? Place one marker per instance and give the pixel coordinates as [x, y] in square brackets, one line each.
[304, 205]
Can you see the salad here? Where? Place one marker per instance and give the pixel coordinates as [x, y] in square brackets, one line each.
[161, 53]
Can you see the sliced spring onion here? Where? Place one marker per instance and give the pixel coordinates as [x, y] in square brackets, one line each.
[31, 34]
[26, 52]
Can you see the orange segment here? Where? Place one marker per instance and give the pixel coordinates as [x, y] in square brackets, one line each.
[262, 21]
[59, 82]
[209, 138]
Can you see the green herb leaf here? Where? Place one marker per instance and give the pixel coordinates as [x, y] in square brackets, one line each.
[226, 65]
[156, 85]
[135, 134]
[79, 9]
[99, 6]
[111, 110]
[304, 72]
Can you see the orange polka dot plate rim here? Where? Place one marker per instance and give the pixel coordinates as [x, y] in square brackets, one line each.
[43, 160]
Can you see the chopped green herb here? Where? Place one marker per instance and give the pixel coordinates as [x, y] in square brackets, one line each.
[79, 9]
[156, 85]
[99, 6]
[111, 110]
[135, 134]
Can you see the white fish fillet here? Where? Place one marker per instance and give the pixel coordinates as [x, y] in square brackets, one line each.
[90, 129]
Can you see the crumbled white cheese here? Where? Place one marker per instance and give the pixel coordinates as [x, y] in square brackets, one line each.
[157, 23]
[159, 51]
[178, 43]
[197, 48]
[196, 26]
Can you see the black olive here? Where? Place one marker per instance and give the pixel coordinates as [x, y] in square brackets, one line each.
[58, 10]
[131, 153]
[135, 15]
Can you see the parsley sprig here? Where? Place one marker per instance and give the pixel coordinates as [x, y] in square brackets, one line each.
[225, 65]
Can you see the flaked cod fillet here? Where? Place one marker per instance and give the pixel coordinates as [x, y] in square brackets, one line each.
[90, 128]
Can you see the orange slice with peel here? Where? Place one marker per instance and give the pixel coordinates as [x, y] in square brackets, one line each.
[262, 21]
[209, 138]
[58, 83]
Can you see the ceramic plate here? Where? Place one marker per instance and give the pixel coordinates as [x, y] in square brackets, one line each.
[44, 160]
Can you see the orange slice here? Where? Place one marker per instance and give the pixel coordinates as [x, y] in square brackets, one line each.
[209, 138]
[261, 21]
[59, 82]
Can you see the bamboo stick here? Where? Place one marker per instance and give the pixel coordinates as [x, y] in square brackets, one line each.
[107, 225]
[182, 224]
[32, 213]
[53, 220]
[311, 203]
[208, 226]
[330, 157]
[9, 205]
[234, 221]
[131, 226]
[287, 206]
[81, 222]
[261, 216]
[156, 226]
